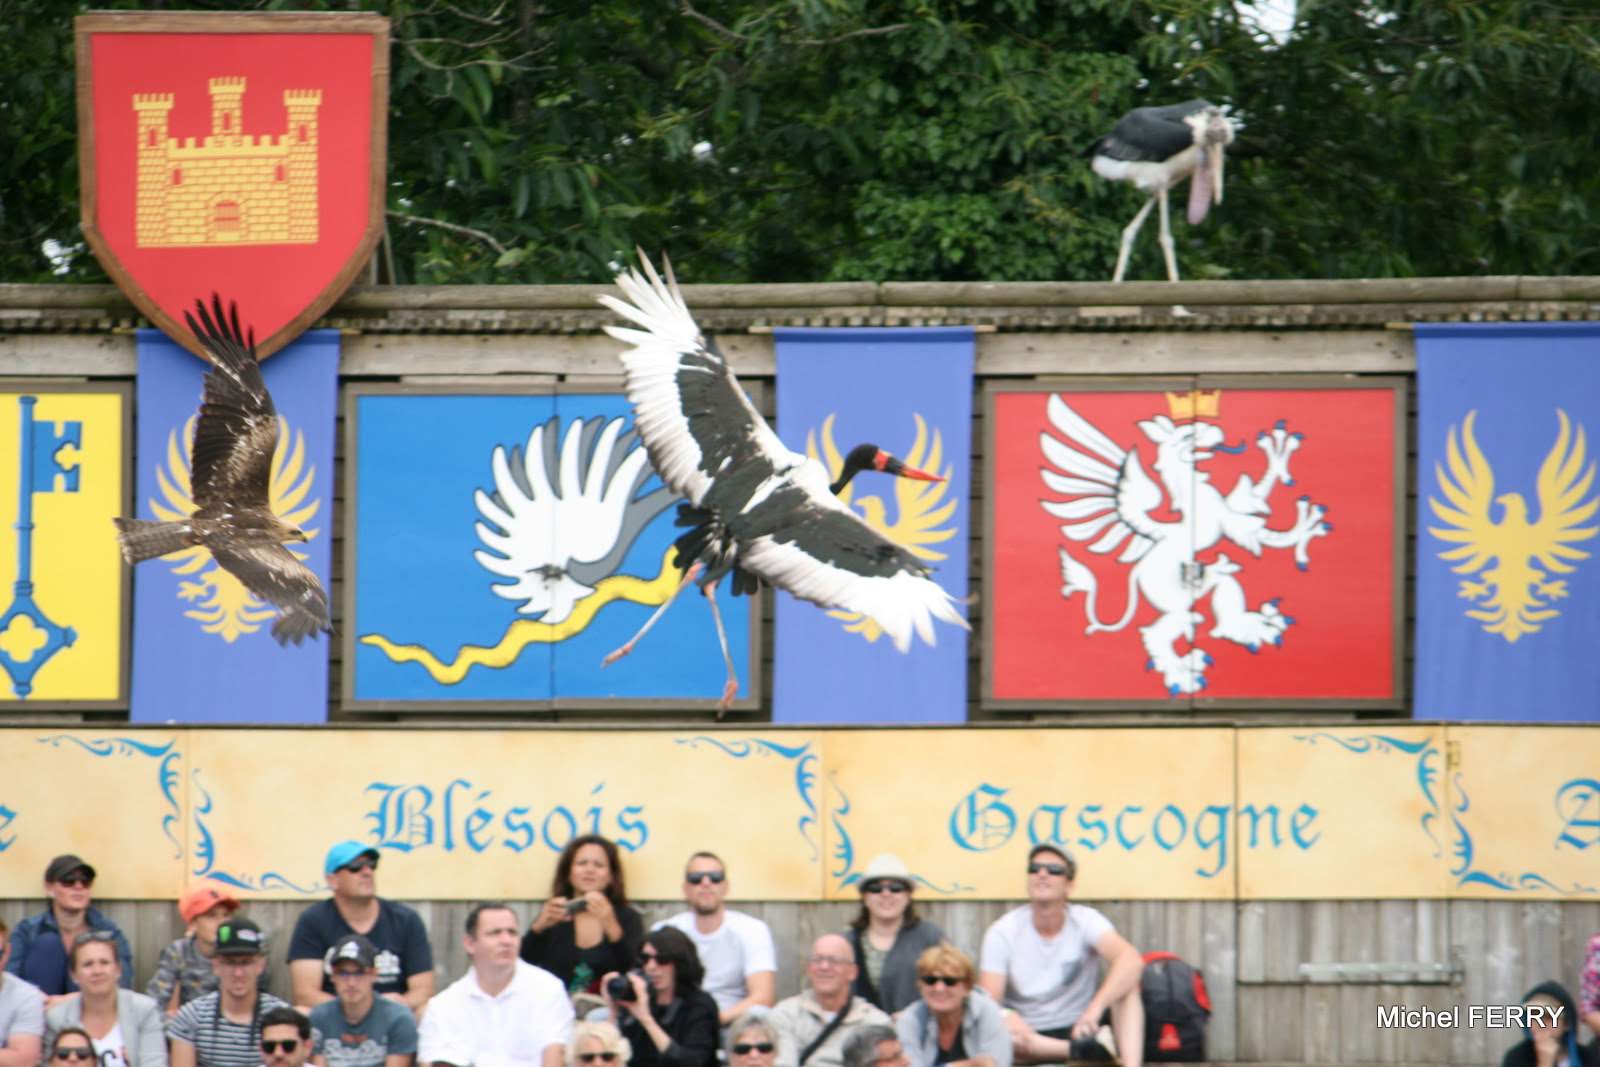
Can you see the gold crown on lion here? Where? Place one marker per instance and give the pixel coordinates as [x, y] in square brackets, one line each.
[1195, 404]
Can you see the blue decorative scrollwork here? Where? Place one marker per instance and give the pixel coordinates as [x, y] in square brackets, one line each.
[844, 850]
[1504, 881]
[1427, 754]
[805, 775]
[166, 770]
[205, 855]
[1463, 867]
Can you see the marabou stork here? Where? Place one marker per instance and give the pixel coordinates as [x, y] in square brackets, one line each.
[754, 507]
[1154, 148]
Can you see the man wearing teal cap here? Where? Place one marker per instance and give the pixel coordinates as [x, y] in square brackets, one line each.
[404, 958]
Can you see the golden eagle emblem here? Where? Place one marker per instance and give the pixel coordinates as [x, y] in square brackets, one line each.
[921, 508]
[223, 606]
[1513, 597]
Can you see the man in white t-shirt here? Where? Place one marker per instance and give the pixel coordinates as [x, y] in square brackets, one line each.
[735, 948]
[501, 1013]
[1041, 962]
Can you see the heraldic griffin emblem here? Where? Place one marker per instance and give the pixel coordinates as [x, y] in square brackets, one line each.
[1109, 501]
[1513, 598]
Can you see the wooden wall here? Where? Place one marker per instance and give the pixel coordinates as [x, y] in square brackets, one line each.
[1265, 1009]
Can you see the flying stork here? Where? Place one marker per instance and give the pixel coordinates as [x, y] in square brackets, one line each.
[1153, 149]
[753, 507]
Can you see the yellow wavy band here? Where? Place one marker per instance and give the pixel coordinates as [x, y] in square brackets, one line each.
[650, 592]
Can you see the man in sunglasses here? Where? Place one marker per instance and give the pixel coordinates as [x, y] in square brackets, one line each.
[285, 1038]
[39, 943]
[21, 1015]
[735, 949]
[404, 957]
[1042, 962]
[358, 1028]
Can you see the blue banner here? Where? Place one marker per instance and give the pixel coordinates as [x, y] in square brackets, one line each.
[908, 391]
[505, 543]
[203, 649]
[1508, 589]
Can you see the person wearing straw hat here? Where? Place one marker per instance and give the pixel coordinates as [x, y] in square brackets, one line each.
[887, 936]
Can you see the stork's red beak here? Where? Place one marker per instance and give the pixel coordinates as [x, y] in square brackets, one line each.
[889, 465]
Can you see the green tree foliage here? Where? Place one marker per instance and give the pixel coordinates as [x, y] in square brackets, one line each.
[803, 140]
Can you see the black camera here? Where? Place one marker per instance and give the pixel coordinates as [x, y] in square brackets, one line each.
[620, 989]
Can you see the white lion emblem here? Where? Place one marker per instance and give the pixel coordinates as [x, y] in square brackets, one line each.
[1110, 499]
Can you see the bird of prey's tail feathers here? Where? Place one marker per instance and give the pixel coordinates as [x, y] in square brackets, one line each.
[142, 539]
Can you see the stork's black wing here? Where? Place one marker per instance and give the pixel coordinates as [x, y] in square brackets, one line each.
[704, 437]
[272, 573]
[1150, 134]
[237, 431]
[803, 540]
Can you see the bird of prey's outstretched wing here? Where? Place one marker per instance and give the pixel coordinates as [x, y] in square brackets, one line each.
[237, 432]
[1150, 134]
[272, 573]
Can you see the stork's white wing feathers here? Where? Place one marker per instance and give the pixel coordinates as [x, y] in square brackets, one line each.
[671, 345]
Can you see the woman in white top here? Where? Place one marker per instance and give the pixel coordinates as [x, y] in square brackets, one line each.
[125, 1026]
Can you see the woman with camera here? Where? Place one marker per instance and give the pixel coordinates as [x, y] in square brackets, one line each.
[665, 1015]
[586, 928]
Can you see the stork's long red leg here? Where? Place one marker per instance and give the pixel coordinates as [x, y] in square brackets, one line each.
[730, 689]
[612, 657]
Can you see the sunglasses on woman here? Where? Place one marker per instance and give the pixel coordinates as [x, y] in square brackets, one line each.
[941, 979]
[94, 935]
[604, 1057]
[877, 886]
[762, 1047]
[74, 1052]
[289, 1045]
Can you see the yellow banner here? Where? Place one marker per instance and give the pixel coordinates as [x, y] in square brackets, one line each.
[63, 464]
[1327, 813]
[1375, 812]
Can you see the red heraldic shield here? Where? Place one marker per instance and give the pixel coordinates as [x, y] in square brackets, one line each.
[236, 153]
[1220, 543]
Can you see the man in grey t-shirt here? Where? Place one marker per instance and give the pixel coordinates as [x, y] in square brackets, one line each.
[21, 1014]
[1042, 963]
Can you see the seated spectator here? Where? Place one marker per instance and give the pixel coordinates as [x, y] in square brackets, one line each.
[1589, 989]
[285, 1038]
[184, 970]
[887, 936]
[359, 1028]
[597, 1044]
[734, 948]
[1042, 961]
[502, 1012]
[873, 1046]
[405, 959]
[752, 1041]
[223, 1028]
[586, 928]
[124, 1026]
[668, 1021]
[1553, 1042]
[813, 1025]
[954, 1022]
[21, 1014]
[73, 1047]
[39, 945]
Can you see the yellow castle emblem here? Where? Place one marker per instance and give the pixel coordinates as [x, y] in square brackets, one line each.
[235, 187]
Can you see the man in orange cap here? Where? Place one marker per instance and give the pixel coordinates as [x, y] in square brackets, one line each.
[184, 971]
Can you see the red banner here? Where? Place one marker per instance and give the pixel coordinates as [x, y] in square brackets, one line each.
[1189, 546]
[242, 154]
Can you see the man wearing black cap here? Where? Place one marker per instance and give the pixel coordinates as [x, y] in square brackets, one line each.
[359, 1028]
[223, 1028]
[39, 943]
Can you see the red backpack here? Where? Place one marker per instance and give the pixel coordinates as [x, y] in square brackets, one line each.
[1176, 1008]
